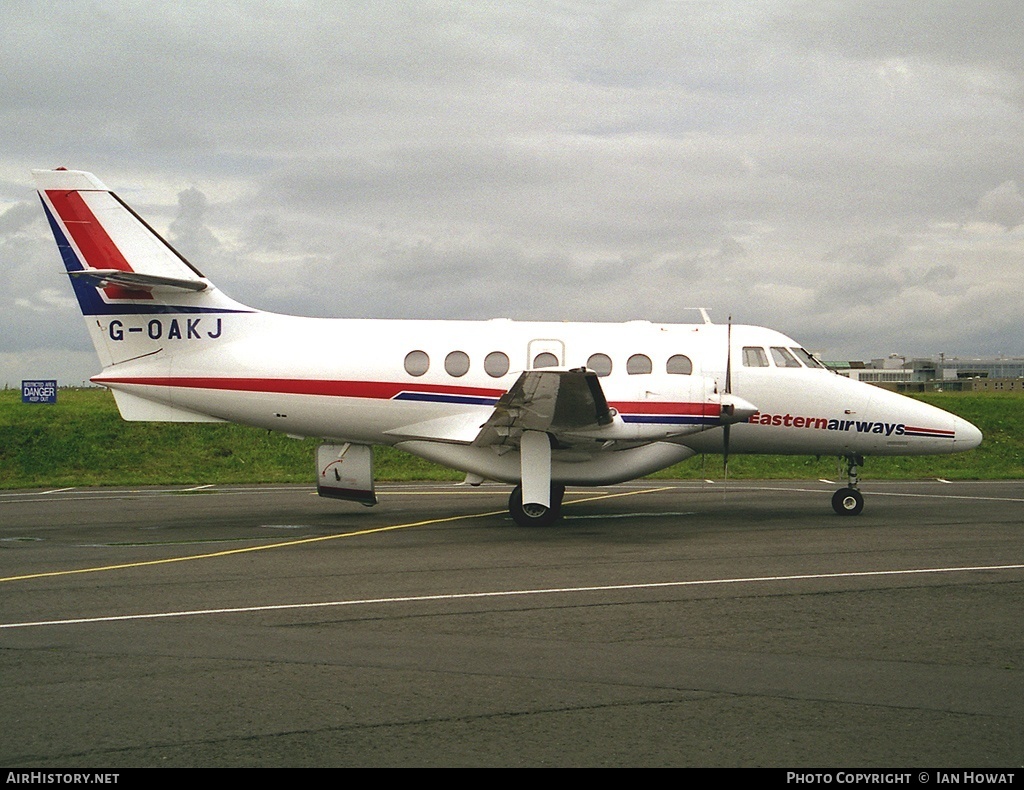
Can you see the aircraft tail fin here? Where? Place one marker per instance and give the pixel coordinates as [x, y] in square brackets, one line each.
[122, 269]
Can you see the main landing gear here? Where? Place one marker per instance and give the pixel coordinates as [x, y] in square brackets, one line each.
[849, 501]
[533, 515]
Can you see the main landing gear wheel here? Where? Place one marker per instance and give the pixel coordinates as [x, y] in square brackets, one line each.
[534, 515]
[847, 501]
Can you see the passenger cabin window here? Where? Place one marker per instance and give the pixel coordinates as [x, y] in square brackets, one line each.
[805, 356]
[639, 364]
[457, 363]
[601, 364]
[496, 364]
[754, 357]
[783, 359]
[545, 360]
[679, 364]
[417, 363]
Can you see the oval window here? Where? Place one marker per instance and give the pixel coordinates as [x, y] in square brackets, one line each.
[679, 364]
[496, 364]
[545, 360]
[639, 363]
[457, 363]
[601, 364]
[417, 363]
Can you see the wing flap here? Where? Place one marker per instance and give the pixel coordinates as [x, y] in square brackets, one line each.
[548, 400]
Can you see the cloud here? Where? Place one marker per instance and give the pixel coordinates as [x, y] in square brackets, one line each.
[1002, 205]
[843, 171]
[17, 218]
[188, 231]
[46, 300]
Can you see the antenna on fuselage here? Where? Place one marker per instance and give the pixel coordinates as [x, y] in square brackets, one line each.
[728, 391]
[704, 311]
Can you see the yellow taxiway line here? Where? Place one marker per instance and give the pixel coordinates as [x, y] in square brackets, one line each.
[300, 541]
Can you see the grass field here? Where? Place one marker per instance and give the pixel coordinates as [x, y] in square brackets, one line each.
[82, 441]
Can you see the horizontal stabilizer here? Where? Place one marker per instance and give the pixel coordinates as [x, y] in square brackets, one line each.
[136, 281]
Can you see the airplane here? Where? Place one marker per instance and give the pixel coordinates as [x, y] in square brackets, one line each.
[536, 405]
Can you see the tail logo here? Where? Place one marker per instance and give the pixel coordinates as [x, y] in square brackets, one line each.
[120, 266]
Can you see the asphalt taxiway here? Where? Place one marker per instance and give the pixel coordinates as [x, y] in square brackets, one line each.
[659, 624]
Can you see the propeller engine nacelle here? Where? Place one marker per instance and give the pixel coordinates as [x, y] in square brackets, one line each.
[736, 409]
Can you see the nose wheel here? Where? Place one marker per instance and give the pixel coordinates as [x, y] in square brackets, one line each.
[849, 501]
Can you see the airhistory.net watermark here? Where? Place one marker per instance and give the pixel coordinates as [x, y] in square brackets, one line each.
[59, 778]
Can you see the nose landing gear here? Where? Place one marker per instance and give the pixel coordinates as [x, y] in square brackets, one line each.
[849, 501]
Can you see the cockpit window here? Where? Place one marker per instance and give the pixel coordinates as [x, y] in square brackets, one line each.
[754, 357]
[783, 359]
[805, 356]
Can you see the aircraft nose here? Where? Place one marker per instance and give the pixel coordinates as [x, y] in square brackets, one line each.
[966, 435]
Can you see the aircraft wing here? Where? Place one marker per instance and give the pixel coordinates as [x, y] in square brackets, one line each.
[454, 429]
[549, 400]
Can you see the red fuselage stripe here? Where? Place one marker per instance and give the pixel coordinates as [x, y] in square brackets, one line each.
[376, 389]
[343, 389]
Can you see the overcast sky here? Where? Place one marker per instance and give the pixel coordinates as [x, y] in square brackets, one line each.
[849, 173]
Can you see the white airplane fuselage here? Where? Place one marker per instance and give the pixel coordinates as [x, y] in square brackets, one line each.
[361, 391]
[530, 403]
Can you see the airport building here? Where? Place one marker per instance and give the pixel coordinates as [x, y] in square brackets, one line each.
[919, 374]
